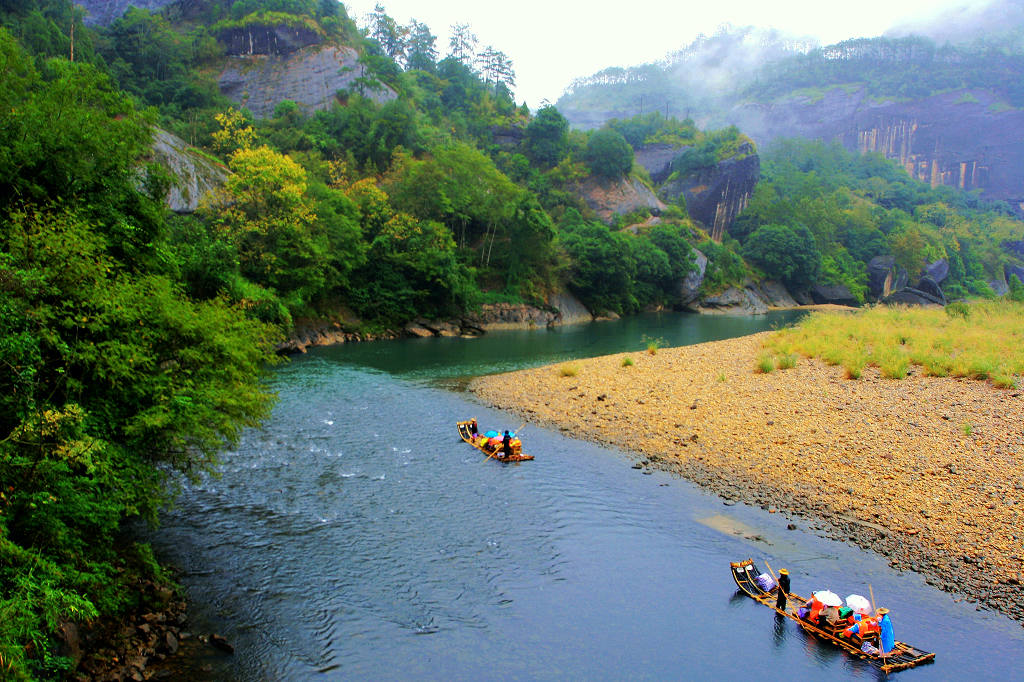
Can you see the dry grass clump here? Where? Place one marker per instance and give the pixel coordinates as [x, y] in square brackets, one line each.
[568, 370]
[981, 340]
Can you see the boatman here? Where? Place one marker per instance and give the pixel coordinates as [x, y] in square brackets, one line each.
[780, 600]
[506, 444]
[886, 636]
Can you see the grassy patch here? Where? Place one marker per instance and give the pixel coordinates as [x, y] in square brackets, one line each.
[787, 361]
[627, 362]
[765, 363]
[980, 340]
[569, 370]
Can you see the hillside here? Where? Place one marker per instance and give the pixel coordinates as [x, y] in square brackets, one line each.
[948, 113]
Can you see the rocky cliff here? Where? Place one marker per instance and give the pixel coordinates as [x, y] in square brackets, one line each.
[310, 77]
[965, 139]
[618, 197]
[193, 174]
[715, 195]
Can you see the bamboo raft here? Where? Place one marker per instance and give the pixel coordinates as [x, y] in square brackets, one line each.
[902, 656]
[484, 445]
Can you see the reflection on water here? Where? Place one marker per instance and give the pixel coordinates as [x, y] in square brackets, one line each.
[355, 536]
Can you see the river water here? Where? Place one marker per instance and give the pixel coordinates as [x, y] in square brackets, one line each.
[354, 536]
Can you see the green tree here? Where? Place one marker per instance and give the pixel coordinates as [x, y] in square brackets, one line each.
[608, 155]
[547, 137]
[784, 253]
[602, 267]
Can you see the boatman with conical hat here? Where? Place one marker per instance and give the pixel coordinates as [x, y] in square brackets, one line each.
[780, 600]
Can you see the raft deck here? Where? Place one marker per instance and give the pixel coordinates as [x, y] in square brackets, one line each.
[902, 656]
[466, 433]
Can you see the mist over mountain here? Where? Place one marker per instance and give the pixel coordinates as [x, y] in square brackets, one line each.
[997, 19]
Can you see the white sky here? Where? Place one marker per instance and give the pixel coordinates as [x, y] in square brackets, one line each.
[552, 42]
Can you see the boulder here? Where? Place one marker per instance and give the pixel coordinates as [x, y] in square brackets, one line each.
[837, 294]
[746, 300]
[413, 329]
[569, 308]
[618, 197]
[885, 277]
[689, 288]
[931, 287]
[938, 271]
[911, 296]
[777, 295]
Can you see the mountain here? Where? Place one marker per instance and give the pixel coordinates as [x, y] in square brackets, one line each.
[948, 113]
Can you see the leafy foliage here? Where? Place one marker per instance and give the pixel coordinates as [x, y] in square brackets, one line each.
[608, 155]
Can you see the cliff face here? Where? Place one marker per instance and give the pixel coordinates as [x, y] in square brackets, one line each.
[310, 77]
[715, 195]
[266, 40]
[964, 139]
[194, 175]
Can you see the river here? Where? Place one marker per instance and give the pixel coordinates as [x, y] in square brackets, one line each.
[354, 536]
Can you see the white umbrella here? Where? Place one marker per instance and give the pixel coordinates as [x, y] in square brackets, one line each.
[858, 603]
[828, 598]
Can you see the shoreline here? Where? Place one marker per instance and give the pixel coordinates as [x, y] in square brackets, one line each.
[927, 472]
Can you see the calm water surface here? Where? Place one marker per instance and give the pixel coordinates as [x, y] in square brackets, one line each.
[355, 536]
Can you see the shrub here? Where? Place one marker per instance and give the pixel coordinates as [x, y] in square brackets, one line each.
[627, 362]
[765, 363]
[569, 370]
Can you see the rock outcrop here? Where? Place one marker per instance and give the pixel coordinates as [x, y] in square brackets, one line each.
[311, 77]
[194, 174]
[267, 40]
[618, 197]
[966, 138]
[716, 195]
[689, 287]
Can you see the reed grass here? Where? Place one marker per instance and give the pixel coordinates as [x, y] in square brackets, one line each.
[983, 340]
[765, 363]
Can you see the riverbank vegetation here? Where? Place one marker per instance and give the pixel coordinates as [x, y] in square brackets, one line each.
[133, 341]
[980, 340]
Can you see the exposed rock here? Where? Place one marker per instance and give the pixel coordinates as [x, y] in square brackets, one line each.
[310, 77]
[747, 300]
[715, 195]
[1012, 270]
[267, 40]
[657, 159]
[929, 286]
[885, 277]
[911, 296]
[938, 271]
[689, 288]
[194, 173]
[494, 316]
[569, 308]
[1014, 248]
[837, 294]
[965, 138]
[777, 295]
[1000, 287]
[618, 197]
[413, 329]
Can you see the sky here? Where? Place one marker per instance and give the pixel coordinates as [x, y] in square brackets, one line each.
[552, 42]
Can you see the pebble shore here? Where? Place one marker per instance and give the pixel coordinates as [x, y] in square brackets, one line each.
[926, 471]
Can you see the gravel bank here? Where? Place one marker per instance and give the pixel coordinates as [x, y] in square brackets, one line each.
[928, 472]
